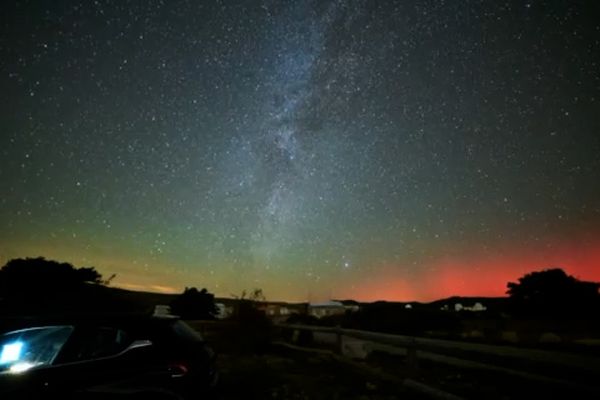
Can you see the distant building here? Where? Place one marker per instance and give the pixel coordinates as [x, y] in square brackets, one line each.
[351, 305]
[326, 309]
[162, 310]
[223, 311]
[493, 305]
[277, 310]
[280, 311]
[477, 307]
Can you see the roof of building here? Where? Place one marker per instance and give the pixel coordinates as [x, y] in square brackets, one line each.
[330, 303]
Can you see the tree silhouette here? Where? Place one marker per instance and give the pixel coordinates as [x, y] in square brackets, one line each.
[44, 276]
[253, 321]
[36, 286]
[552, 292]
[255, 295]
[194, 304]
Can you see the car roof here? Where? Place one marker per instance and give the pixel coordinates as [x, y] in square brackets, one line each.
[121, 320]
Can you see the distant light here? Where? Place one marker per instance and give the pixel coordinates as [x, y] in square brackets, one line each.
[21, 367]
[11, 352]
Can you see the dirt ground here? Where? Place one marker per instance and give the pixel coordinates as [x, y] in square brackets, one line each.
[283, 375]
[249, 369]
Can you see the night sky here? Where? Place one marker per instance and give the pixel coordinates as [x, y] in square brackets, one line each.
[314, 149]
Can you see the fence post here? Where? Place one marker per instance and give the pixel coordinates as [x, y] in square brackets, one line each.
[338, 340]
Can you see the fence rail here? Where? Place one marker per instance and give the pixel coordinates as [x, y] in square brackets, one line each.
[544, 366]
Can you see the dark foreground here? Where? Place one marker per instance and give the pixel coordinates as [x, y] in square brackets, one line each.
[279, 370]
[295, 375]
[275, 371]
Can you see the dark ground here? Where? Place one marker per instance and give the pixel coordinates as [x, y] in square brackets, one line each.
[280, 373]
[294, 375]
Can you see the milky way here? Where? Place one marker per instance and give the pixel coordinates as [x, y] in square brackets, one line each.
[315, 149]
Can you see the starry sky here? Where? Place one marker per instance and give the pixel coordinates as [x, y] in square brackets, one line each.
[314, 149]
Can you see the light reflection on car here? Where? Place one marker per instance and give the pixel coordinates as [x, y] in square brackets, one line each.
[35, 347]
[106, 357]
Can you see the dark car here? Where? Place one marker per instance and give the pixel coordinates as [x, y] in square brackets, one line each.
[106, 357]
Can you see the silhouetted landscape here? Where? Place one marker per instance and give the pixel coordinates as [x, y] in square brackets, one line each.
[274, 349]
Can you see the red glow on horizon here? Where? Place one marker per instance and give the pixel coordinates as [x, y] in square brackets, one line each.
[482, 275]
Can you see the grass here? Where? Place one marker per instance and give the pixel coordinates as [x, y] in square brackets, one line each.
[280, 373]
[285, 374]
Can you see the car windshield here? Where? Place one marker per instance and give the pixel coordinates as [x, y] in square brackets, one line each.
[28, 348]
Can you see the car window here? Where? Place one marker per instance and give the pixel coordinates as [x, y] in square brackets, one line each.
[28, 348]
[97, 342]
[186, 332]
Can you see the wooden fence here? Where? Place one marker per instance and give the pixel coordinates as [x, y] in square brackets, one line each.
[577, 372]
